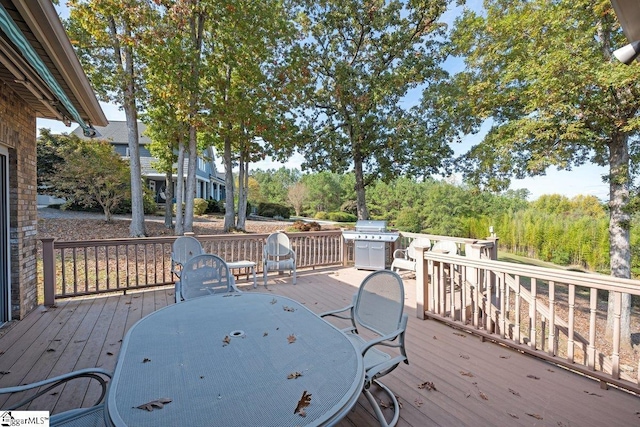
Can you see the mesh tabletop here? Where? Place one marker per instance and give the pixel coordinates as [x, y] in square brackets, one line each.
[180, 353]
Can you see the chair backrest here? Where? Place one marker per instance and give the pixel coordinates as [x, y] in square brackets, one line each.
[205, 274]
[448, 246]
[379, 303]
[420, 241]
[277, 246]
[184, 248]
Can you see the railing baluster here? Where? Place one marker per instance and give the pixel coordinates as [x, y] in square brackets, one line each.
[516, 333]
[552, 351]
[533, 314]
[502, 286]
[593, 311]
[617, 315]
[570, 333]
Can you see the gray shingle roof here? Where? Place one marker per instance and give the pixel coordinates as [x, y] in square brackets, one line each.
[116, 131]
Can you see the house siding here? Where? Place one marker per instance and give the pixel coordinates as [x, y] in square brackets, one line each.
[18, 133]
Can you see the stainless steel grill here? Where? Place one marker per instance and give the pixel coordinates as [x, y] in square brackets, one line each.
[370, 242]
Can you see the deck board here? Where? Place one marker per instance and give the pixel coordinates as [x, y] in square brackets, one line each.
[477, 383]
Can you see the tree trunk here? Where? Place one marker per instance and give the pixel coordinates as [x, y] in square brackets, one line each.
[229, 210]
[168, 198]
[136, 228]
[180, 190]
[361, 201]
[191, 179]
[243, 184]
[619, 222]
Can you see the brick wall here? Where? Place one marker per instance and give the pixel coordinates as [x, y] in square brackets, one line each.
[18, 133]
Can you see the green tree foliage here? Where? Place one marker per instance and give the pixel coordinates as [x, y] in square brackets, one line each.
[275, 184]
[364, 57]
[324, 191]
[543, 72]
[89, 173]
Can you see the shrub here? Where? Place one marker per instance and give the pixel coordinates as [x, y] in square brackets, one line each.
[273, 210]
[214, 206]
[200, 206]
[305, 226]
[342, 217]
[321, 215]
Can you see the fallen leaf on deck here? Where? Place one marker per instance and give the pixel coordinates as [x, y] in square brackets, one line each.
[550, 370]
[383, 404]
[515, 393]
[536, 416]
[464, 356]
[592, 394]
[145, 360]
[505, 357]
[291, 338]
[466, 374]
[294, 375]
[460, 334]
[55, 393]
[226, 340]
[265, 334]
[128, 302]
[304, 401]
[483, 396]
[109, 353]
[285, 308]
[50, 350]
[435, 337]
[468, 395]
[418, 402]
[513, 415]
[273, 301]
[427, 385]
[533, 377]
[399, 402]
[155, 404]
[5, 372]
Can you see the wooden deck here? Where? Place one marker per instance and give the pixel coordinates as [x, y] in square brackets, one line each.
[476, 383]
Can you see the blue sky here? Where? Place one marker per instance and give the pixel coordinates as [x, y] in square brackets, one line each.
[584, 180]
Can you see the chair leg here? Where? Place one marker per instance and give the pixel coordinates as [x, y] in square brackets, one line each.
[376, 407]
[264, 273]
[294, 276]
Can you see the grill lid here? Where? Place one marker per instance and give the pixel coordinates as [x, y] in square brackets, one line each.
[369, 226]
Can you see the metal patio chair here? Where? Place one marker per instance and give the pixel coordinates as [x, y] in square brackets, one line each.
[183, 249]
[378, 307]
[277, 255]
[93, 416]
[205, 274]
[405, 259]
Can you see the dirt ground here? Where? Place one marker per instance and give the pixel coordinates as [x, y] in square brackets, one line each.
[85, 226]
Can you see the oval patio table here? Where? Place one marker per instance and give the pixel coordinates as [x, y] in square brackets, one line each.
[182, 353]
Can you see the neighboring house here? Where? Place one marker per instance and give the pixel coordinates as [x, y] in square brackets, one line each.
[40, 76]
[209, 183]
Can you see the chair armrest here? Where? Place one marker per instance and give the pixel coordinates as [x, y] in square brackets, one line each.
[51, 383]
[400, 253]
[335, 313]
[388, 340]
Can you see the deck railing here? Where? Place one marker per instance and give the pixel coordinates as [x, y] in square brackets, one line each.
[75, 268]
[554, 314]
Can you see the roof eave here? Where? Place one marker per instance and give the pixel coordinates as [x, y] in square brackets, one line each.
[43, 20]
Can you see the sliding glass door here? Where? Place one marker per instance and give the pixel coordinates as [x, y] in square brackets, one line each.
[5, 259]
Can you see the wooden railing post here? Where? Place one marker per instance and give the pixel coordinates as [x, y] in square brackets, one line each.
[422, 283]
[49, 272]
[345, 252]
